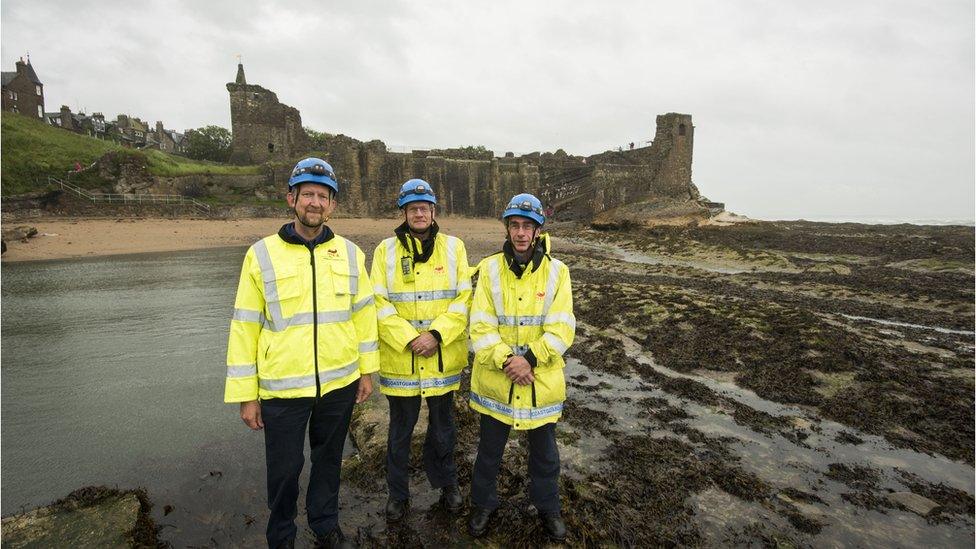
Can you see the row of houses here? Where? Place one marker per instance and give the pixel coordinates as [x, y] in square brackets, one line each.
[23, 92]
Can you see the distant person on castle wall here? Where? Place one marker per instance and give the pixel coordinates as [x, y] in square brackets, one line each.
[302, 346]
[521, 324]
[422, 288]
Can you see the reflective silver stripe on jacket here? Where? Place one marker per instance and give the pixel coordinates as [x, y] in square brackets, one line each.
[541, 412]
[247, 315]
[495, 281]
[482, 316]
[388, 310]
[555, 342]
[242, 370]
[391, 263]
[301, 382]
[486, 341]
[551, 283]
[367, 346]
[359, 305]
[459, 308]
[564, 318]
[301, 319]
[521, 320]
[353, 268]
[426, 383]
[428, 295]
[520, 350]
[270, 282]
[452, 262]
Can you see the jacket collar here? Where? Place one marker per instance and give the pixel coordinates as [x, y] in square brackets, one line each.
[409, 242]
[288, 234]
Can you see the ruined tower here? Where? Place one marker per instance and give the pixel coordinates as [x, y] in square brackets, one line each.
[263, 129]
[673, 144]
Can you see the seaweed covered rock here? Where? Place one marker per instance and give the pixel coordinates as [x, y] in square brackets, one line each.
[94, 516]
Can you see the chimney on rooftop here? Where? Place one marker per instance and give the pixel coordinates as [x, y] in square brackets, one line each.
[65, 117]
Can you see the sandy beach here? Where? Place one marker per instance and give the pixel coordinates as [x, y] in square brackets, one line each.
[68, 238]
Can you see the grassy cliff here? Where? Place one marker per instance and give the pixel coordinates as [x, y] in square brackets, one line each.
[33, 150]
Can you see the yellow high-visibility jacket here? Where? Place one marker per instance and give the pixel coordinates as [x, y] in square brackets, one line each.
[436, 299]
[530, 316]
[299, 315]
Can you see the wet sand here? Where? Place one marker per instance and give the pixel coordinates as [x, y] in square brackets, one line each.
[68, 238]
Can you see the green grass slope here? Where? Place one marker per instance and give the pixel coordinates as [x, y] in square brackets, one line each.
[32, 151]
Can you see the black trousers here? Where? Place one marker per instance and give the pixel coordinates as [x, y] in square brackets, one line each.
[285, 422]
[438, 444]
[543, 465]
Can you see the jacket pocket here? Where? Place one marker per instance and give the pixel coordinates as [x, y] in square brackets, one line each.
[287, 287]
[342, 281]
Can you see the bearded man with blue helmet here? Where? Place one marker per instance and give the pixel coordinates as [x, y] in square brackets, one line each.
[302, 346]
[422, 290]
[521, 324]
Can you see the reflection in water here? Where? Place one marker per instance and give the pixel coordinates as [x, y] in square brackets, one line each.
[113, 374]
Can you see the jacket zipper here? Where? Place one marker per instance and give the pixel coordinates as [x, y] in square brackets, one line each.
[315, 326]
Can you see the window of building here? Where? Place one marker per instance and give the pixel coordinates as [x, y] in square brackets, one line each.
[40, 111]
[270, 147]
[37, 89]
[14, 109]
[681, 129]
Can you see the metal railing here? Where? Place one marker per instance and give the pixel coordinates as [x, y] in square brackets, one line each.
[115, 198]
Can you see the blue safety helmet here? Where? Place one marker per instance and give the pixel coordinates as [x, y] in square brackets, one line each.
[313, 170]
[525, 205]
[415, 190]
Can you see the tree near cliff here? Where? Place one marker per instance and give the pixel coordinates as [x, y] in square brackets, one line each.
[209, 143]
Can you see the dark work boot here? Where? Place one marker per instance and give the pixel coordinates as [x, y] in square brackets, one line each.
[451, 498]
[334, 539]
[478, 521]
[287, 544]
[396, 510]
[555, 527]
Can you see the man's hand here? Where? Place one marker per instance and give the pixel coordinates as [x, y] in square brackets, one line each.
[365, 388]
[424, 345]
[251, 414]
[519, 370]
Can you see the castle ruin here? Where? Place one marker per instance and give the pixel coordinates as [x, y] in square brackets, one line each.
[263, 128]
[468, 181]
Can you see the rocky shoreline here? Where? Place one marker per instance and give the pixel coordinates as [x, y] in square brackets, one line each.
[770, 384]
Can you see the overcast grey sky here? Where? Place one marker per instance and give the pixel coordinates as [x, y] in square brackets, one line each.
[843, 109]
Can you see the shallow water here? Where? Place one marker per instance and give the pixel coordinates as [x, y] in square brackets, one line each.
[113, 373]
[789, 463]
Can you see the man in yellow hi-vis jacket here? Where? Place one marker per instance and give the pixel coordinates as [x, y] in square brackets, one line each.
[422, 289]
[302, 345]
[521, 324]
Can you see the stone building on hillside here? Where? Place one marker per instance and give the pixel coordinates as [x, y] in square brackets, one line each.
[263, 129]
[23, 91]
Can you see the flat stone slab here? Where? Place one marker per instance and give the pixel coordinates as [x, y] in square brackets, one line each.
[913, 502]
[109, 522]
